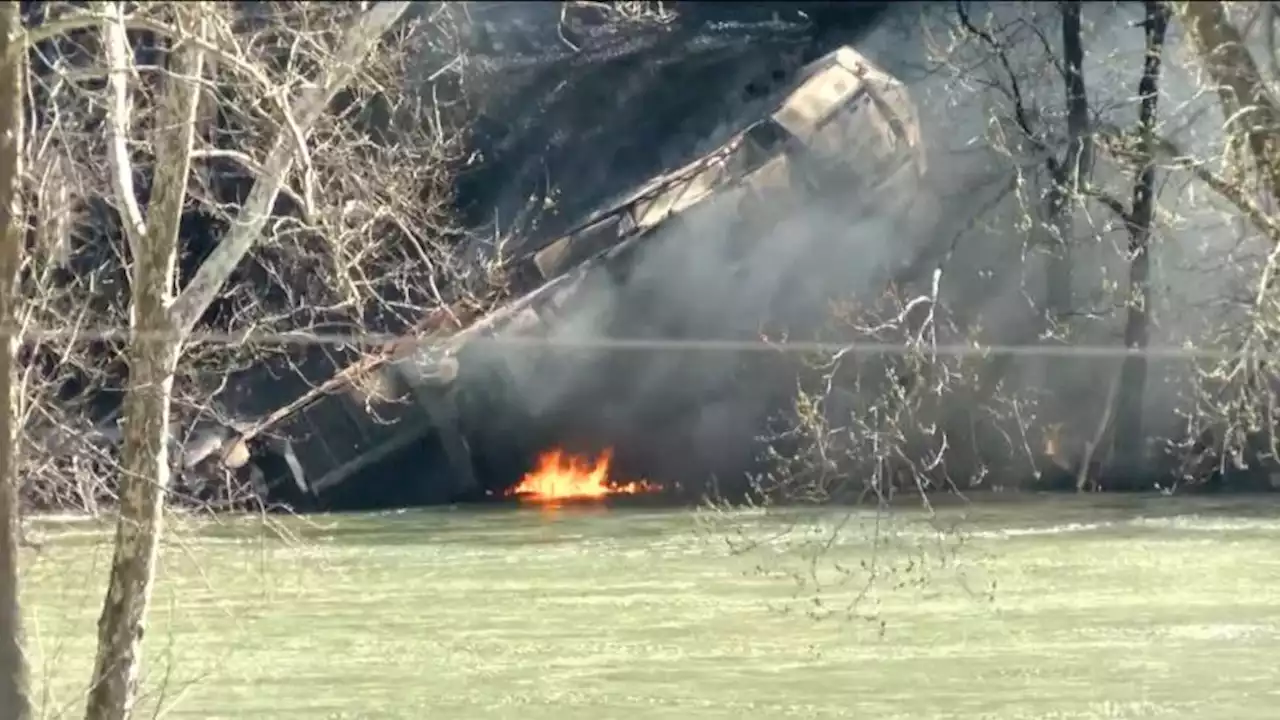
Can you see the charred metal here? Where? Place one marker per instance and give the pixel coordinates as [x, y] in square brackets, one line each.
[419, 413]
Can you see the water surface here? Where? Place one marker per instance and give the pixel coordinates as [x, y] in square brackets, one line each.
[1115, 608]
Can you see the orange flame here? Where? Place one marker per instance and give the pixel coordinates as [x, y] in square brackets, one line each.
[560, 476]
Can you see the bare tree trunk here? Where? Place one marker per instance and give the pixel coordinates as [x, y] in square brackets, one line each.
[359, 40]
[1247, 104]
[161, 322]
[153, 357]
[15, 701]
[1067, 177]
[1130, 444]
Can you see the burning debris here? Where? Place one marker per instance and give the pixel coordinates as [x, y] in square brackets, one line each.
[560, 476]
[843, 134]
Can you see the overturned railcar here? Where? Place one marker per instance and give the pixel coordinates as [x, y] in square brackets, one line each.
[844, 130]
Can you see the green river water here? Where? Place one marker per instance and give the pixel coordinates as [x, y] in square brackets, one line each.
[1063, 608]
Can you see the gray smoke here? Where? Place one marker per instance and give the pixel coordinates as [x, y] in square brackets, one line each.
[711, 277]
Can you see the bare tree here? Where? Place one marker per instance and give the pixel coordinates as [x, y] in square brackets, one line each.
[14, 672]
[1251, 116]
[1067, 175]
[1232, 429]
[153, 352]
[1181, 169]
[343, 132]
[1130, 440]
[359, 239]
[1071, 160]
[161, 322]
[1029, 139]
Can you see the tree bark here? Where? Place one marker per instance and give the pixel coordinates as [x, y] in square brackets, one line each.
[15, 699]
[1130, 443]
[1066, 180]
[154, 348]
[115, 37]
[161, 323]
[1247, 105]
[359, 40]
[1066, 177]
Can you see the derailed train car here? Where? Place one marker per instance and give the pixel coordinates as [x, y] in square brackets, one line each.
[843, 131]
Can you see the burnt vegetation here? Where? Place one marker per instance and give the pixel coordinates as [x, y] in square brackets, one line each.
[472, 141]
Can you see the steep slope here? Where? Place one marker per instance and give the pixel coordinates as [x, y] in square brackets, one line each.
[567, 124]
